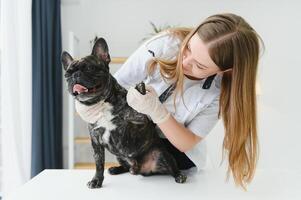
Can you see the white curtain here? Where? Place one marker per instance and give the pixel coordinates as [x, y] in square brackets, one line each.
[16, 93]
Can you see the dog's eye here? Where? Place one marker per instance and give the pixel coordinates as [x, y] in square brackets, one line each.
[67, 75]
[71, 70]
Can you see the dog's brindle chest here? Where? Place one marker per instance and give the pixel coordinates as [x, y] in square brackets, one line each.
[114, 122]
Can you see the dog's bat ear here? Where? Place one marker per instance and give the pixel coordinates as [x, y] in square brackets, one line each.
[66, 59]
[101, 50]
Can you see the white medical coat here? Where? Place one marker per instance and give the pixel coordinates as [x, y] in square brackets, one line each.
[202, 104]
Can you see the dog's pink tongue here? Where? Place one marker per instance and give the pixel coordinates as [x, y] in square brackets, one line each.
[79, 88]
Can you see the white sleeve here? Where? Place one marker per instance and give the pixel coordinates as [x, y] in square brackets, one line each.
[134, 70]
[204, 121]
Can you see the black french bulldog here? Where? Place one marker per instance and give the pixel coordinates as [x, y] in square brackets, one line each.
[129, 135]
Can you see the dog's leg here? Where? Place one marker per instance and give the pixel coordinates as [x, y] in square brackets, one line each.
[99, 157]
[123, 168]
[166, 164]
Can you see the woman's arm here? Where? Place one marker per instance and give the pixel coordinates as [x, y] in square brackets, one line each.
[134, 70]
[182, 138]
[185, 138]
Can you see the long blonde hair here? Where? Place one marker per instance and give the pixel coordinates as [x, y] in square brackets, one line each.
[232, 44]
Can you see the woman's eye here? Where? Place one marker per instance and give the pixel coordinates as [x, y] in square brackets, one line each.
[200, 67]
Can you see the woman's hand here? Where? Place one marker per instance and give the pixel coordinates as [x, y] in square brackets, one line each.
[148, 104]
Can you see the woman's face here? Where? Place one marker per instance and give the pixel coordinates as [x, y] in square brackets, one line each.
[197, 63]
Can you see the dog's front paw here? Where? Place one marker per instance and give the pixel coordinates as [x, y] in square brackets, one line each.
[180, 178]
[95, 183]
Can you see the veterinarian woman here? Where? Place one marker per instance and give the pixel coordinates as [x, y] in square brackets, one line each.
[210, 72]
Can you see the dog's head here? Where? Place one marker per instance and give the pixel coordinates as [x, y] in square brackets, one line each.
[89, 78]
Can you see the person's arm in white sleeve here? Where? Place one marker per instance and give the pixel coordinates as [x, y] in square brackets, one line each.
[185, 138]
[134, 70]
[204, 121]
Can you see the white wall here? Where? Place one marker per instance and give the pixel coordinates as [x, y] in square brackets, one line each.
[125, 23]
